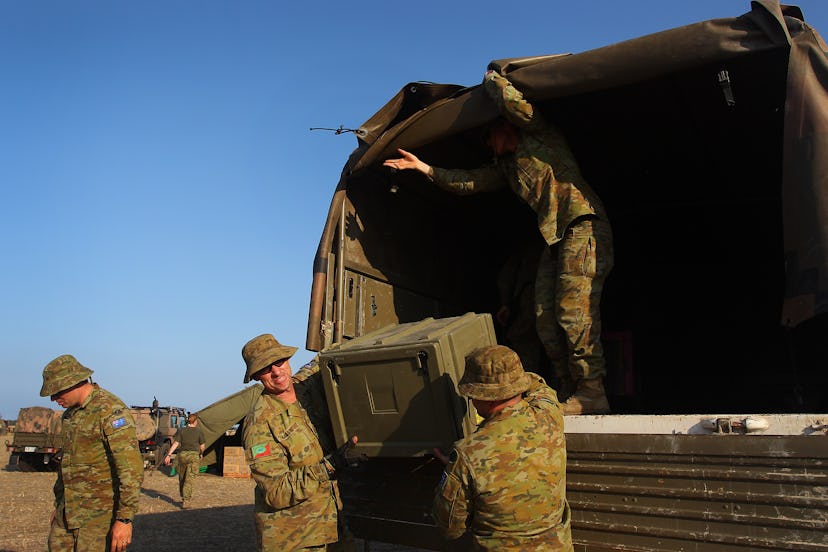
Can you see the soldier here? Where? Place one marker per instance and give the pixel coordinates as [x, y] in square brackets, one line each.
[101, 471]
[296, 498]
[534, 159]
[506, 483]
[191, 442]
[516, 314]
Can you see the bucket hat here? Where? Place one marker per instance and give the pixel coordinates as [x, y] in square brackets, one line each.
[493, 373]
[262, 351]
[62, 373]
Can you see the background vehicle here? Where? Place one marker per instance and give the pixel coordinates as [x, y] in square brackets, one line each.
[155, 427]
[36, 441]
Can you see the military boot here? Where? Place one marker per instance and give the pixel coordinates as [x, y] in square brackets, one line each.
[565, 388]
[589, 398]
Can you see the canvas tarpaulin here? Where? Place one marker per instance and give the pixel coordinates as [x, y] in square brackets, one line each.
[423, 114]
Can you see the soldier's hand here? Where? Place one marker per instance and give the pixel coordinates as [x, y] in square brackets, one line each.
[340, 458]
[121, 536]
[407, 161]
[440, 456]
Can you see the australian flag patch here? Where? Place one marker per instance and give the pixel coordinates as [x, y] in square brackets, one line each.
[119, 422]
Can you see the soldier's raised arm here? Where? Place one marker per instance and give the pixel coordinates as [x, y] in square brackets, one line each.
[510, 101]
[456, 181]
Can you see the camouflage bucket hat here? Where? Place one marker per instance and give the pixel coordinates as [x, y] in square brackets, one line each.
[62, 373]
[493, 373]
[262, 351]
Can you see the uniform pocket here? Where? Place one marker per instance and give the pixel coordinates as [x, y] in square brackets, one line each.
[298, 443]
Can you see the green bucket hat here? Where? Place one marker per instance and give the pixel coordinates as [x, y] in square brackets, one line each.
[62, 373]
[262, 351]
[493, 373]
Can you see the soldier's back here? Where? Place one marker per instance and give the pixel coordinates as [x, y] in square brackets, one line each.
[519, 468]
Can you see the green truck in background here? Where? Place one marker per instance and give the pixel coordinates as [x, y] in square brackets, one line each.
[708, 145]
[36, 441]
[155, 427]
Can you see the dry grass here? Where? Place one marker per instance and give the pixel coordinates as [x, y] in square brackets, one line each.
[221, 517]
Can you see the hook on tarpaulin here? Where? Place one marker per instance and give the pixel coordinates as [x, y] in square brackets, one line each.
[341, 130]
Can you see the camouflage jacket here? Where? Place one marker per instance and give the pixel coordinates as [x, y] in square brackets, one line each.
[101, 469]
[543, 171]
[506, 483]
[296, 502]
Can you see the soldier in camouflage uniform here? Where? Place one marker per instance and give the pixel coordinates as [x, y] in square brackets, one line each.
[506, 483]
[101, 471]
[516, 315]
[572, 220]
[191, 443]
[296, 498]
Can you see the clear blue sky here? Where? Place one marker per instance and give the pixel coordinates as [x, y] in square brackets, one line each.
[162, 196]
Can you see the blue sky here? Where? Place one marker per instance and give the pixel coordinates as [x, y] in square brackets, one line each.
[162, 195]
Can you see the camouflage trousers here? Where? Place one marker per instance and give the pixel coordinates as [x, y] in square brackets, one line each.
[568, 290]
[187, 465]
[93, 536]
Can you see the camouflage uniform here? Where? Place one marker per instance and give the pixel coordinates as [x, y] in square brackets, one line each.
[296, 502]
[100, 473]
[572, 220]
[516, 287]
[506, 483]
[188, 460]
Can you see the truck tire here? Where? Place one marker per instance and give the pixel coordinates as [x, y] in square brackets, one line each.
[14, 462]
[144, 426]
[26, 463]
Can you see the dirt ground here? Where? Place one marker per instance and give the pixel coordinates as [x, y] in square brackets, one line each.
[221, 517]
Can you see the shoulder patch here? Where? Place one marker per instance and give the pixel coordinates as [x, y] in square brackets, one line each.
[443, 479]
[118, 422]
[260, 451]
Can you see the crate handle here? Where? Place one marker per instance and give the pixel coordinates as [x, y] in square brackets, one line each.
[422, 362]
[336, 371]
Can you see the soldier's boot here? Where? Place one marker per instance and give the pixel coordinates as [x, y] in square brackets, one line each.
[589, 398]
[565, 388]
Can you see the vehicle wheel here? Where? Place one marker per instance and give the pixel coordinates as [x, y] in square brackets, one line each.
[14, 463]
[25, 464]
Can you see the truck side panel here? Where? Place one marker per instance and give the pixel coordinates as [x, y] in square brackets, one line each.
[714, 493]
[711, 493]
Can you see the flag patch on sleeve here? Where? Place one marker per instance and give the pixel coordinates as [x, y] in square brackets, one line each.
[119, 422]
[260, 451]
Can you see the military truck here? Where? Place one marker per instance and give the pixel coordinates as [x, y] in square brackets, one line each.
[155, 427]
[36, 441]
[707, 144]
